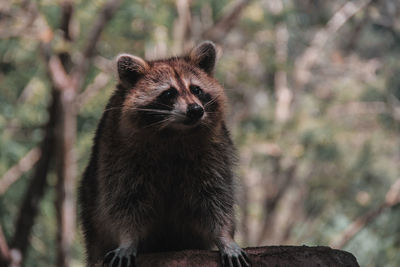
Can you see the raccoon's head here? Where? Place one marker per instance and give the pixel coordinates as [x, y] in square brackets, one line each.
[178, 93]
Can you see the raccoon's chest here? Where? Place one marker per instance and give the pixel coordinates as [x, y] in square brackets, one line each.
[177, 177]
[176, 173]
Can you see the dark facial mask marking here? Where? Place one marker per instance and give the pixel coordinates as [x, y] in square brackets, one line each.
[164, 102]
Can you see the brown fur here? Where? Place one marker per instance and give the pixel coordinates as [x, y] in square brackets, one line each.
[156, 181]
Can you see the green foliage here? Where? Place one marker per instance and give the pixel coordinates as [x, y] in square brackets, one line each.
[346, 157]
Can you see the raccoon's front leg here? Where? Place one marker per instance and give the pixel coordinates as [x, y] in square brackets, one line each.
[124, 255]
[128, 213]
[232, 255]
[129, 232]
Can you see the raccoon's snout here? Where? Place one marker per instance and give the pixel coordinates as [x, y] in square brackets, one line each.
[194, 112]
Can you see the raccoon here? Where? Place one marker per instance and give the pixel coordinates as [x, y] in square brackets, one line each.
[160, 176]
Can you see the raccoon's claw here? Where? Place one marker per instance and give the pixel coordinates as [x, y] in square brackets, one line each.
[233, 256]
[120, 257]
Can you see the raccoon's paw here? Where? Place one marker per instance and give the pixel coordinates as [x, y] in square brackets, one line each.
[233, 256]
[120, 257]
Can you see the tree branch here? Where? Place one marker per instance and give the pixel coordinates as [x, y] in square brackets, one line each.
[358, 108]
[392, 199]
[9, 28]
[182, 26]
[66, 18]
[8, 257]
[311, 56]
[99, 82]
[55, 67]
[23, 165]
[65, 138]
[66, 133]
[5, 255]
[227, 21]
[57, 73]
[60, 133]
[36, 187]
[280, 186]
[38, 183]
[103, 18]
[283, 94]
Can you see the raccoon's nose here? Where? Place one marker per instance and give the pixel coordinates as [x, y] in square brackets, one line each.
[194, 112]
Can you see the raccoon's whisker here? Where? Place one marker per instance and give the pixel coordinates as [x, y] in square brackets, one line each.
[178, 114]
[153, 110]
[113, 108]
[155, 123]
[212, 101]
[160, 111]
[165, 123]
[165, 105]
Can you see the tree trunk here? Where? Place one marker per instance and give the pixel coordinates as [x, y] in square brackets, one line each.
[66, 174]
[283, 256]
[37, 185]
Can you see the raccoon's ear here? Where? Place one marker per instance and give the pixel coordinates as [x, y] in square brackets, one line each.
[130, 68]
[204, 56]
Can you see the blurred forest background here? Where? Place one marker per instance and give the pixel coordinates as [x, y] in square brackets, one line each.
[314, 89]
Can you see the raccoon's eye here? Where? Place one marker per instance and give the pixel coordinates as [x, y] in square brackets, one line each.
[169, 94]
[195, 90]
